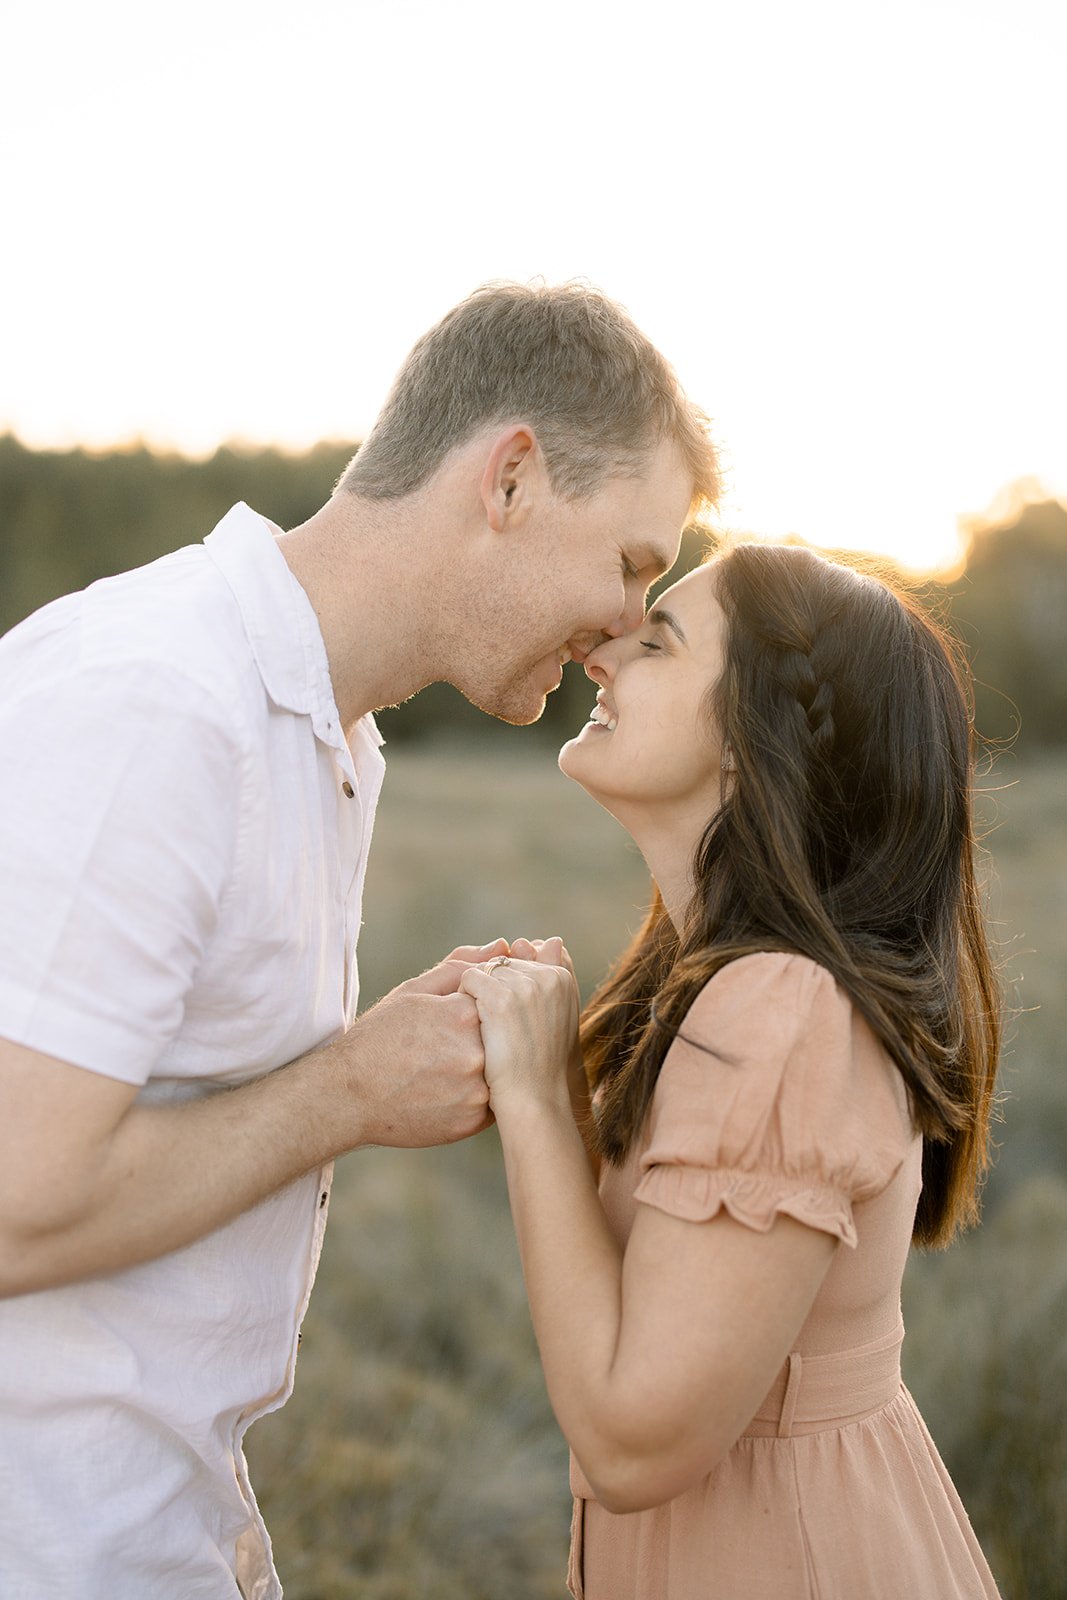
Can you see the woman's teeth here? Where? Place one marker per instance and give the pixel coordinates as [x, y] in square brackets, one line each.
[603, 719]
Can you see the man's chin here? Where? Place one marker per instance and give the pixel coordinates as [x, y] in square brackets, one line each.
[520, 716]
[516, 708]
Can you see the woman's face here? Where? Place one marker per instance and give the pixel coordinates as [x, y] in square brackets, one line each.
[649, 750]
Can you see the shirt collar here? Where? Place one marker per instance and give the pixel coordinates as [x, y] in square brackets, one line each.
[281, 625]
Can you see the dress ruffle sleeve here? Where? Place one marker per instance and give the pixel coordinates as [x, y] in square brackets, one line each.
[775, 1098]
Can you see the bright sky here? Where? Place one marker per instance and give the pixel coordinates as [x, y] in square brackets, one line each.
[844, 222]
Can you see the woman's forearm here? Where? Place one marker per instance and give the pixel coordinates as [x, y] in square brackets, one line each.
[654, 1366]
[572, 1266]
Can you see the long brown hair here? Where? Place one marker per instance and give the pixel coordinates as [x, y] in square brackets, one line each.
[846, 836]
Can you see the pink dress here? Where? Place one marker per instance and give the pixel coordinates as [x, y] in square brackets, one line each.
[835, 1491]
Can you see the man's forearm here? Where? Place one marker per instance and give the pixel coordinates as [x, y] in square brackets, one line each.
[168, 1175]
[128, 1182]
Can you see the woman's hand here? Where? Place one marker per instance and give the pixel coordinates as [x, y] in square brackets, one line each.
[528, 1011]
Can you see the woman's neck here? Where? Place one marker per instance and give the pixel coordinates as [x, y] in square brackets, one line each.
[668, 853]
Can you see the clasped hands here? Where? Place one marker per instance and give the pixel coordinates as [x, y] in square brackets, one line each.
[439, 1055]
[528, 1008]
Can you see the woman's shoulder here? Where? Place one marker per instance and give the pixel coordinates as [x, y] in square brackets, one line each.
[796, 1030]
[774, 1070]
[769, 989]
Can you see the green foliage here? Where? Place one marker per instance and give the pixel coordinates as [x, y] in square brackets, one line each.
[69, 517]
[1010, 607]
[986, 1357]
[986, 1351]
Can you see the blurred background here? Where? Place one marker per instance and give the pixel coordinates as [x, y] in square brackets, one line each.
[844, 224]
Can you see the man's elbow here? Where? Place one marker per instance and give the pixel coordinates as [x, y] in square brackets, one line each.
[37, 1254]
[17, 1275]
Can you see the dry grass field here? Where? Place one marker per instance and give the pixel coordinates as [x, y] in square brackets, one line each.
[418, 1458]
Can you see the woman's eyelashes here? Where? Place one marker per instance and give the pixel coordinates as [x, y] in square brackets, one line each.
[650, 644]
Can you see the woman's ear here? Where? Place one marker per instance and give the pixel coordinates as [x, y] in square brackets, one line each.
[509, 480]
[728, 758]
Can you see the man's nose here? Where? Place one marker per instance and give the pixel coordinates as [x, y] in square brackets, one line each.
[633, 612]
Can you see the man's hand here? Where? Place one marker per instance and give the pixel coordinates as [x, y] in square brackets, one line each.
[444, 977]
[415, 1059]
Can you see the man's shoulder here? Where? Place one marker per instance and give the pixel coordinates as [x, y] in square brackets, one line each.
[177, 611]
[154, 629]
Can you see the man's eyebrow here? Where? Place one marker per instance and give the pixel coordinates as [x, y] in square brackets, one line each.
[662, 560]
[668, 619]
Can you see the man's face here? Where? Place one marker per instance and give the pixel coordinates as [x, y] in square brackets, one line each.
[577, 575]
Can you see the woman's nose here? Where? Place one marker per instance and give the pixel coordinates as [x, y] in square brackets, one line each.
[600, 663]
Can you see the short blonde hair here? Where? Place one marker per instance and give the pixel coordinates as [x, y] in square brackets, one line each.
[564, 359]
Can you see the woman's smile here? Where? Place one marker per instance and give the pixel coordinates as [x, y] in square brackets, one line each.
[603, 716]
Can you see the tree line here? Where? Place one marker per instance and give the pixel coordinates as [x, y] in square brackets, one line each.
[68, 517]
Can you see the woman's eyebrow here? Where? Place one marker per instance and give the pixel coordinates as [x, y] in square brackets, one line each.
[669, 620]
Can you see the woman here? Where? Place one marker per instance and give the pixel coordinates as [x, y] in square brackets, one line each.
[792, 1068]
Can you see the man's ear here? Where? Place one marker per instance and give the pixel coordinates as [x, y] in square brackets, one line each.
[512, 470]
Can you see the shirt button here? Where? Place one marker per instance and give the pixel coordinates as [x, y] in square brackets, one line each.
[346, 788]
[322, 1199]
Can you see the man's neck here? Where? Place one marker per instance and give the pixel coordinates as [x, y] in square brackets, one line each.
[363, 565]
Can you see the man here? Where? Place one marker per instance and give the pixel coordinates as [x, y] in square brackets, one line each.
[190, 773]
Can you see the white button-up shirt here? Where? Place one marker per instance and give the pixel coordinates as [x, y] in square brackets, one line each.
[183, 840]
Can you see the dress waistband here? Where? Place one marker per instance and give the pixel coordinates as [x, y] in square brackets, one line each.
[813, 1393]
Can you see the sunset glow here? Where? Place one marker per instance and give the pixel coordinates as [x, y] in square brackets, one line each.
[840, 223]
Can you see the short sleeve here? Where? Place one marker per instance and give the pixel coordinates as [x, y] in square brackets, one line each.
[775, 1098]
[119, 805]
